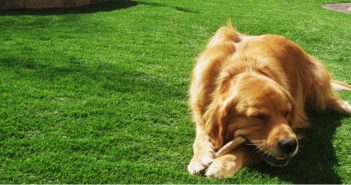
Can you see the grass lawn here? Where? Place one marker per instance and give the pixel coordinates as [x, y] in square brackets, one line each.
[99, 94]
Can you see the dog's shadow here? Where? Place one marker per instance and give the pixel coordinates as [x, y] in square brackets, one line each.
[316, 160]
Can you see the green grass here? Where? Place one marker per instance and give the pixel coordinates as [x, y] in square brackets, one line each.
[98, 94]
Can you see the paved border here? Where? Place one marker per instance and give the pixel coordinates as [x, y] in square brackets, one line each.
[44, 4]
[339, 7]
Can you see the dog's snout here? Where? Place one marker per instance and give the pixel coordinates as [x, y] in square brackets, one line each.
[287, 146]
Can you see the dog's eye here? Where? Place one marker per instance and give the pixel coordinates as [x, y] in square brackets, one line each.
[286, 113]
[262, 117]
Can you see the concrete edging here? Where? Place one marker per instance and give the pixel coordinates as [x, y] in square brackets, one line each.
[339, 7]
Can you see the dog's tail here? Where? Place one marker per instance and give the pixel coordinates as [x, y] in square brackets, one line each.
[340, 86]
[225, 35]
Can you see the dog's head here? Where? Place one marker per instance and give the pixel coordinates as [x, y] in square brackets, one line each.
[257, 108]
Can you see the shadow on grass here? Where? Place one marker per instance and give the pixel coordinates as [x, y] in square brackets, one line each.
[181, 9]
[107, 6]
[100, 78]
[316, 158]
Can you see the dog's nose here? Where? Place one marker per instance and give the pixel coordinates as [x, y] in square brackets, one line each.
[287, 146]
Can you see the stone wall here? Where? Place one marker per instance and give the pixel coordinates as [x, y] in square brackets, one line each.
[43, 4]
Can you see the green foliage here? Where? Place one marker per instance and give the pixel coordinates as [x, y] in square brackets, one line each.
[98, 94]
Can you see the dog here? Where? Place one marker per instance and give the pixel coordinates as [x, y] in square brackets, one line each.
[256, 87]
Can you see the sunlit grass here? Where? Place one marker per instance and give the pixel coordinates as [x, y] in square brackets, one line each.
[98, 94]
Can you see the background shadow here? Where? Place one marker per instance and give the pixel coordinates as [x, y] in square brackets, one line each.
[101, 77]
[107, 6]
[181, 9]
[316, 158]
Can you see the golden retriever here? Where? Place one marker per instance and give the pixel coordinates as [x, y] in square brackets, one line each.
[257, 87]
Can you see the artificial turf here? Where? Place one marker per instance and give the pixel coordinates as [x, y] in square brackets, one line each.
[99, 94]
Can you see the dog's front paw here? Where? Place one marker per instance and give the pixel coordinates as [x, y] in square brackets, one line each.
[196, 168]
[198, 165]
[222, 168]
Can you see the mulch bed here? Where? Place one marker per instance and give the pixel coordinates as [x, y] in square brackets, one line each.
[44, 4]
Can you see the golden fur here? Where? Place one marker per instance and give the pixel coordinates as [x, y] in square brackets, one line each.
[257, 87]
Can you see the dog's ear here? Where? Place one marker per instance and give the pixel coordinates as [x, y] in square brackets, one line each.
[217, 116]
[214, 125]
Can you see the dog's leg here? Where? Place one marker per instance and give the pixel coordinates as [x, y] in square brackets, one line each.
[340, 106]
[229, 164]
[205, 73]
[203, 153]
[340, 86]
[322, 93]
[337, 103]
